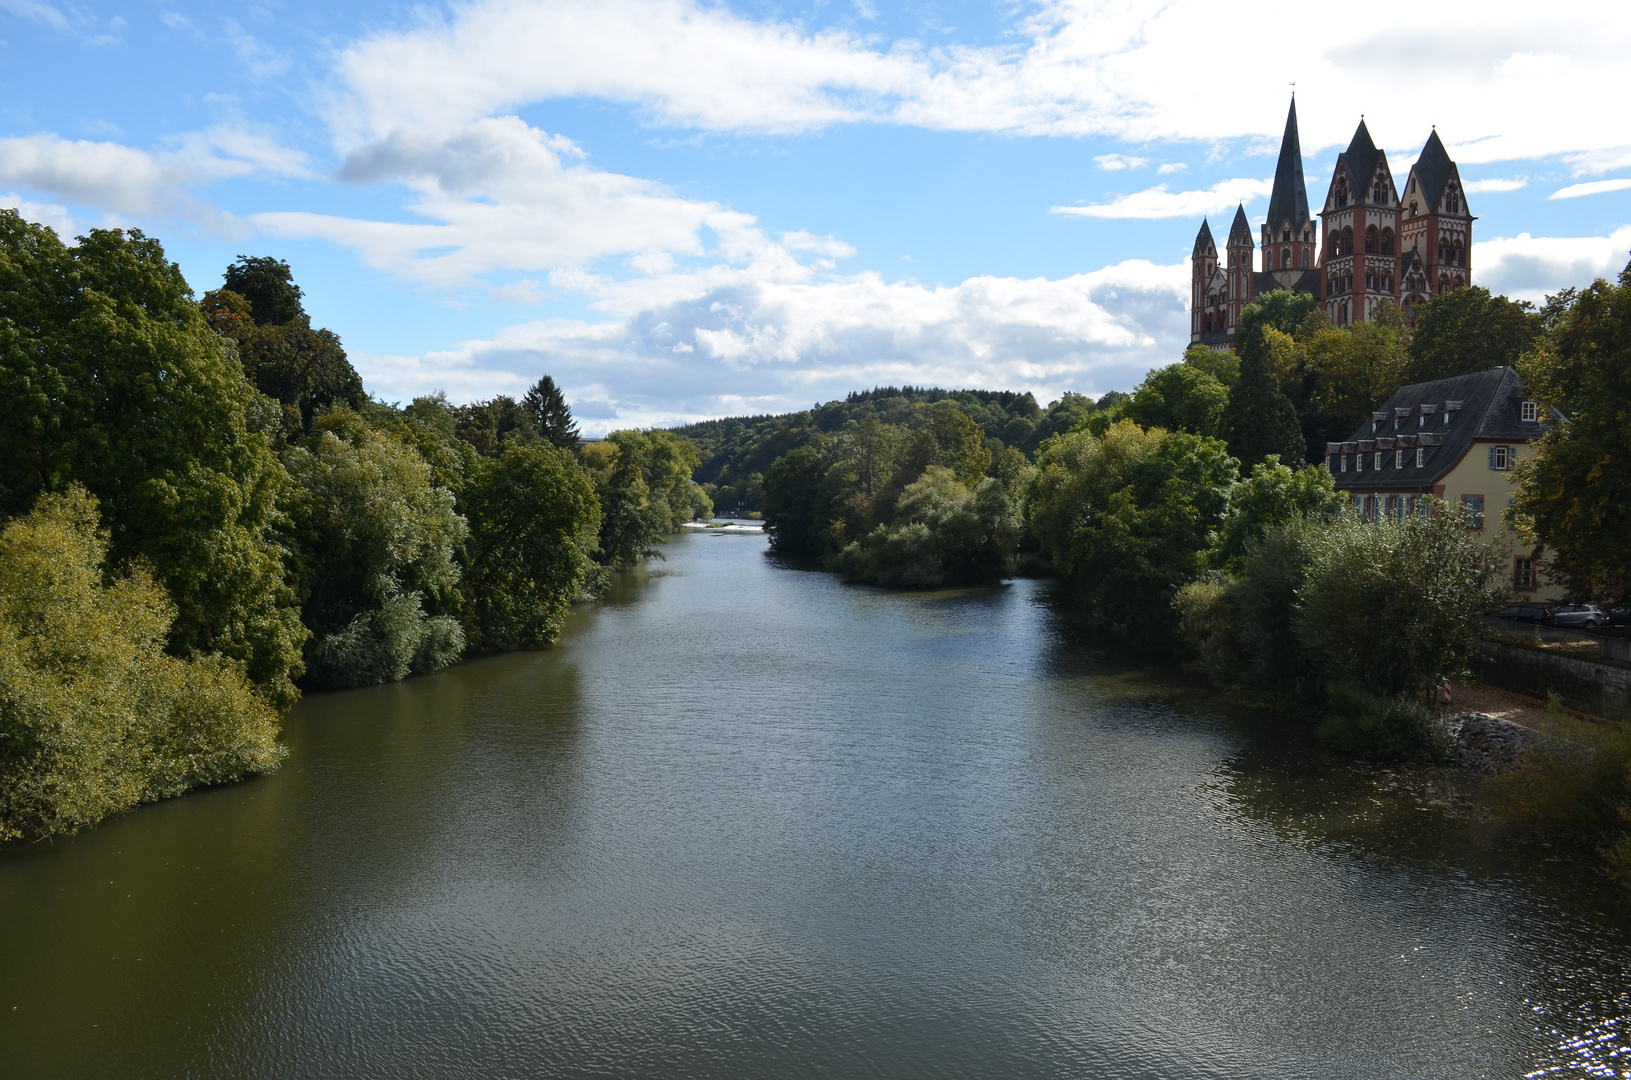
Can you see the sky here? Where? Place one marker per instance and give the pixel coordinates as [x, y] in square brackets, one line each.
[683, 210]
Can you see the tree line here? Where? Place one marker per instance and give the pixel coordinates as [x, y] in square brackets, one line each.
[204, 513]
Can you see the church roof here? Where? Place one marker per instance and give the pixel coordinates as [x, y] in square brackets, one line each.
[1360, 158]
[1289, 200]
[1203, 240]
[1433, 170]
[1241, 231]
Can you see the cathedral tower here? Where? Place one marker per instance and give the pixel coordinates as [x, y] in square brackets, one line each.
[1240, 268]
[1206, 308]
[1360, 221]
[1435, 227]
[1288, 234]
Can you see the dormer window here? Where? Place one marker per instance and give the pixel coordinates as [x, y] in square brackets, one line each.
[1529, 411]
[1446, 419]
[1359, 463]
[1398, 459]
[1344, 462]
[1422, 420]
[1378, 460]
[1421, 457]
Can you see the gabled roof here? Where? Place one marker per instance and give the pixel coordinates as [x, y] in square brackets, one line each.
[1203, 240]
[1289, 200]
[1360, 159]
[1432, 170]
[1241, 231]
[1308, 281]
[1483, 405]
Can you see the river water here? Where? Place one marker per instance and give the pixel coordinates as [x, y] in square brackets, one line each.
[747, 821]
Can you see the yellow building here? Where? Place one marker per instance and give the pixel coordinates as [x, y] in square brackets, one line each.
[1456, 439]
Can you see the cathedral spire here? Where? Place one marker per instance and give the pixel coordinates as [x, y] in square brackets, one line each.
[1241, 231]
[1289, 201]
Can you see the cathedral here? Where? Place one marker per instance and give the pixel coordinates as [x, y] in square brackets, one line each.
[1374, 245]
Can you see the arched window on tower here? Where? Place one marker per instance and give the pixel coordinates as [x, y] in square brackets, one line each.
[1305, 258]
[1443, 283]
[1387, 241]
[1285, 258]
[1347, 241]
[1373, 243]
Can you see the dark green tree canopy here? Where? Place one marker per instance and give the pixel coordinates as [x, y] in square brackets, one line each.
[1469, 330]
[268, 285]
[550, 413]
[1259, 419]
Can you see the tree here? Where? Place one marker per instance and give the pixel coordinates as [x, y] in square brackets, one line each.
[798, 504]
[1574, 494]
[1274, 495]
[268, 286]
[1222, 366]
[550, 414]
[1259, 420]
[643, 481]
[490, 425]
[376, 548]
[1179, 397]
[1128, 517]
[94, 716]
[942, 534]
[110, 376]
[1468, 330]
[305, 371]
[533, 524]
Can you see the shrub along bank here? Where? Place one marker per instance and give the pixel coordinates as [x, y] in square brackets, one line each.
[207, 513]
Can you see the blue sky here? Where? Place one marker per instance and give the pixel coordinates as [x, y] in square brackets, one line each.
[684, 210]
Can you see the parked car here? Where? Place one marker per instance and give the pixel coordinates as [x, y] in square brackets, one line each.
[1588, 615]
[1525, 613]
[1619, 615]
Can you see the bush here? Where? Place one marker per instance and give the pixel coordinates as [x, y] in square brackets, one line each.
[942, 534]
[1366, 725]
[94, 716]
[1575, 782]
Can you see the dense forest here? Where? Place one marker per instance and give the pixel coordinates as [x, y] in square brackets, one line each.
[205, 513]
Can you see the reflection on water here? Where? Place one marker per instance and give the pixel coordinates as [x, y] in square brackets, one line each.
[748, 821]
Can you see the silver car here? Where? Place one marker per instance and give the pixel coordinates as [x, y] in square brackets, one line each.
[1588, 615]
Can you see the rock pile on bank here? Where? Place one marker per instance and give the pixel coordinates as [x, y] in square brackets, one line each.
[1487, 743]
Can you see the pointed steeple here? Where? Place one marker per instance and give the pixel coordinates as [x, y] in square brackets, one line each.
[1289, 201]
[1240, 232]
[1360, 158]
[1433, 169]
[1204, 244]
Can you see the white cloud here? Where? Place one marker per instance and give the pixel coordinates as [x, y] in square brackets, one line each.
[127, 180]
[1172, 167]
[1070, 67]
[259, 59]
[57, 217]
[1529, 267]
[1117, 162]
[781, 346]
[37, 12]
[1596, 187]
[1158, 202]
[1473, 187]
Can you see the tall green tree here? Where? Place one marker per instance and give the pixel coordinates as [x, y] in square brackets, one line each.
[643, 481]
[110, 376]
[1128, 517]
[534, 522]
[550, 413]
[1468, 330]
[267, 285]
[1575, 492]
[1259, 420]
[1179, 397]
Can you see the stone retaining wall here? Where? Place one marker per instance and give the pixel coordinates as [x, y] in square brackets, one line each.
[1599, 687]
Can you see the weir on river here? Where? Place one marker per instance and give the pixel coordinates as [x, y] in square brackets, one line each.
[748, 821]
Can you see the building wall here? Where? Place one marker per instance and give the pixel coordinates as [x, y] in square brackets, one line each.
[1473, 476]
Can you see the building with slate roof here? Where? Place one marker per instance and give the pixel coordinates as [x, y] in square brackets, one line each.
[1371, 245]
[1454, 439]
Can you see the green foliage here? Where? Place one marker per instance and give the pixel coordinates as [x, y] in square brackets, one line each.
[643, 482]
[1222, 366]
[798, 503]
[534, 521]
[1259, 419]
[550, 414]
[1208, 625]
[1468, 330]
[941, 534]
[1128, 516]
[305, 371]
[377, 544]
[489, 425]
[1274, 495]
[1366, 725]
[1179, 397]
[111, 377]
[94, 716]
[267, 285]
[1574, 782]
[1389, 606]
[1335, 376]
[1575, 492]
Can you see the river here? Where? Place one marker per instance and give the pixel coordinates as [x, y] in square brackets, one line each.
[747, 821]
